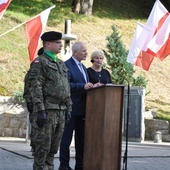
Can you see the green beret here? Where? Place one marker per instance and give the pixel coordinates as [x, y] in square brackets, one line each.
[51, 36]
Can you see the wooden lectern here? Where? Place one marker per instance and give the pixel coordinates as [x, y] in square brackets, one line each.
[103, 128]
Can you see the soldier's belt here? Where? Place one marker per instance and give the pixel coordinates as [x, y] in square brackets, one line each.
[55, 100]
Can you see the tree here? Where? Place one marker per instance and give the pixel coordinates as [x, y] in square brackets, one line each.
[116, 55]
[82, 6]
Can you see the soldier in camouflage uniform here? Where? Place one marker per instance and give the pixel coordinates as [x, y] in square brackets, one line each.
[50, 92]
[28, 99]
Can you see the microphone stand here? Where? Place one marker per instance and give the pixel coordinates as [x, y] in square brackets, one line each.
[127, 128]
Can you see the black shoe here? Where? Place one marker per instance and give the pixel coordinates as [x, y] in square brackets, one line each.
[66, 168]
[78, 168]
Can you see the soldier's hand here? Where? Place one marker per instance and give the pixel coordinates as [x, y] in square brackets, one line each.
[41, 118]
[30, 107]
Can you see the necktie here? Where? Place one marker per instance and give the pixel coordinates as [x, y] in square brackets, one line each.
[82, 71]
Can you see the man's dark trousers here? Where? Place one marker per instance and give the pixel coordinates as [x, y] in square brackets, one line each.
[76, 123]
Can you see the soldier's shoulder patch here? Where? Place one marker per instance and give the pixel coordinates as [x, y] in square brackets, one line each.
[36, 61]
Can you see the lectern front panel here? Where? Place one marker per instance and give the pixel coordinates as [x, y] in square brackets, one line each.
[103, 129]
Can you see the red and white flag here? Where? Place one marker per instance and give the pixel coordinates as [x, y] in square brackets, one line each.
[144, 56]
[137, 55]
[3, 6]
[157, 16]
[34, 28]
[155, 20]
[160, 43]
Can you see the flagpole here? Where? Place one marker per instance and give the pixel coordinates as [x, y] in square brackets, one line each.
[42, 12]
[51, 7]
[12, 29]
[23, 23]
[2, 14]
[127, 129]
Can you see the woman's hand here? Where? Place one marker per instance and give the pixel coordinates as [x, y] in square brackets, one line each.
[98, 84]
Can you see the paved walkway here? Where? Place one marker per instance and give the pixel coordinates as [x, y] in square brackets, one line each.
[15, 155]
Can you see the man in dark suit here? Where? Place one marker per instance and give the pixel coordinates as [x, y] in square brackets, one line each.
[79, 84]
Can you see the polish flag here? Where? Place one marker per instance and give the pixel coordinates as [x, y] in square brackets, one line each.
[34, 28]
[136, 55]
[160, 43]
[144, 56]
[157, 17]
[3, 6]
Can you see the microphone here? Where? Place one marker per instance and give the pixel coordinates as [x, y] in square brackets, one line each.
[92, 61]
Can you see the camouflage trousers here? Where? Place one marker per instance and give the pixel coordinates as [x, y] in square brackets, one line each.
[31, 119]
[47, 139]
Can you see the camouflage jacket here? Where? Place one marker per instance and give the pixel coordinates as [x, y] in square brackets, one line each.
[27, 85]
[49, 84]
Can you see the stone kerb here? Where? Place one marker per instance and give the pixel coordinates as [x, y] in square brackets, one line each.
[13, 118]
[14, 121]
[154, 125]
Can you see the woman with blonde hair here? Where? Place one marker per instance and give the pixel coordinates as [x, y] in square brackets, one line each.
[97, 74]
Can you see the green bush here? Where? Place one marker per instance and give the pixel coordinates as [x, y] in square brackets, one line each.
[140, 81]
[122, 72]
[19, 97]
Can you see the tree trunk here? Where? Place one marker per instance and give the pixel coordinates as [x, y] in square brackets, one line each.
[86, 7]
[76, 6]
[82, 6]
